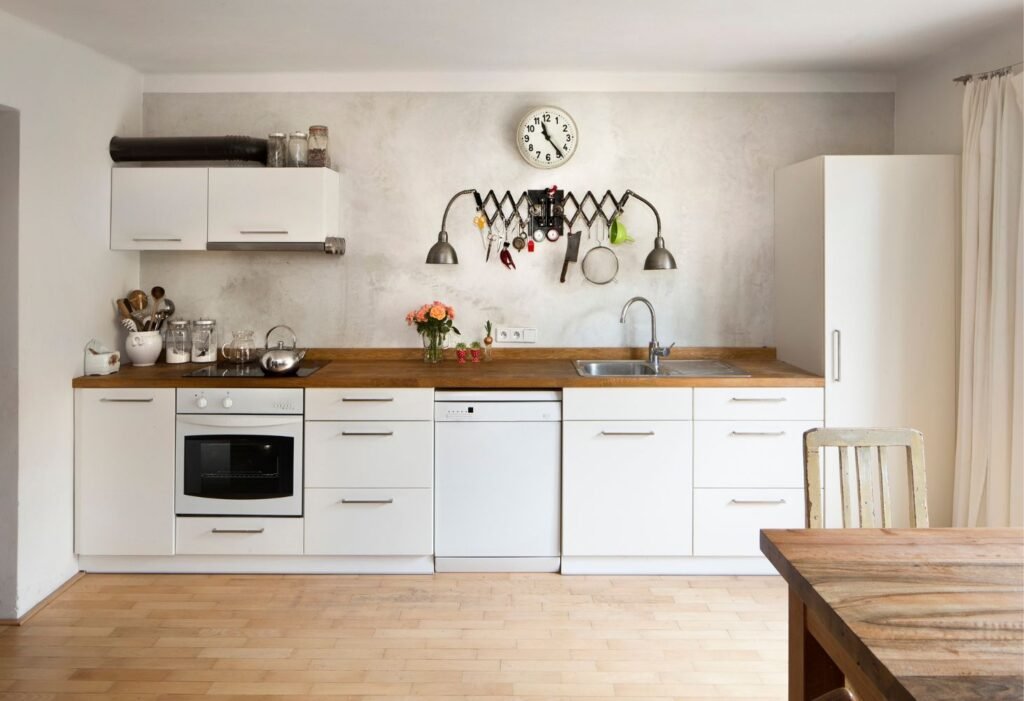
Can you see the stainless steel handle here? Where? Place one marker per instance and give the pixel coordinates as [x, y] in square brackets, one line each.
[263, 231]
[155, 238]
[367, 501]
[237, 530]
[837, 355]
[126, 401]
[627, 433]
[757, 433]
[758, 399]
[757, 501]
[367, 399]
[367, 433]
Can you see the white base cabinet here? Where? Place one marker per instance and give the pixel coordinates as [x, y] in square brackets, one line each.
[124, 471]
[248, 535]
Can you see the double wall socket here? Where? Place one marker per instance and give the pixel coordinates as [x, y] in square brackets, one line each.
[516, 334]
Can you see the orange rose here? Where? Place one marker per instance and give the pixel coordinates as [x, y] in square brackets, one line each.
[438, 312]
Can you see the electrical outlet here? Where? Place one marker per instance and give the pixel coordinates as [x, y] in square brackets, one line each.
[516, 334]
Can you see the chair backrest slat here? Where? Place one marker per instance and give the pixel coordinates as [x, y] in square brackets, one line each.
[857, 476]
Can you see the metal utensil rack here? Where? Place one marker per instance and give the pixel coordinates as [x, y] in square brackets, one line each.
[511, 209]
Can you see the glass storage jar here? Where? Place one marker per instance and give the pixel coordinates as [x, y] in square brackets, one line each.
[298, 148]
[318, 156]
[204, 341]
[179, 345]
[277, 150]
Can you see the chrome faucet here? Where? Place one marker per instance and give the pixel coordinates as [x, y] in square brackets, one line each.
[654, 351]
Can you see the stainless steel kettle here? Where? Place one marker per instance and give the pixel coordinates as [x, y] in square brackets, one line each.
[282, 360]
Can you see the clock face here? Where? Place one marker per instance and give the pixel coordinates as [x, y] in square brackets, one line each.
[547, 137]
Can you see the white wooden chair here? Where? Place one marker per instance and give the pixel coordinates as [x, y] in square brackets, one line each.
[857, 477]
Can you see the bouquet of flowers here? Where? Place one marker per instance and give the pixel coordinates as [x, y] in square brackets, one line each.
[434, 321]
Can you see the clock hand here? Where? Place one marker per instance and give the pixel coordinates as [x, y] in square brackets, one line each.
[544, 131]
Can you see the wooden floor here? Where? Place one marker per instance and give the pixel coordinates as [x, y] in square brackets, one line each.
[179, 637]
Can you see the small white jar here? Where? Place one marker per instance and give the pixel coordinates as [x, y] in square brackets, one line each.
[143, 347]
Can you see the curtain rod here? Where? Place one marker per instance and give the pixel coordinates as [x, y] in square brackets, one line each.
[968, 77]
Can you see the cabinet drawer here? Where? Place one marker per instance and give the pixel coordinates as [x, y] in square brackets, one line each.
[370, 454]
[370, 404]
[626, 488]
[238, 536]
[271, 205]
[369, 521]
[158, 209]
[627, 404]
[759, 403]
[749, 453]
[728, 521]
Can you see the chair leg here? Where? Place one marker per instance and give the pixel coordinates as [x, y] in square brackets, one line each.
[843, 694]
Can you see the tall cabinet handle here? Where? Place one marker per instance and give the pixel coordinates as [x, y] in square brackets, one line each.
[837, 355]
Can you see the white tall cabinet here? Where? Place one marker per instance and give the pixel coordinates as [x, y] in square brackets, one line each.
[865, 294]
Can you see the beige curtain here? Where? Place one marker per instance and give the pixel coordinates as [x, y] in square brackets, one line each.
[989, 480]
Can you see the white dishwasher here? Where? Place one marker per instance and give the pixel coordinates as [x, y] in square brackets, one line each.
[497, 481]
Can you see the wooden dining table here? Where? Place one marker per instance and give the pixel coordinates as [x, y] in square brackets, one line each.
[932, 614]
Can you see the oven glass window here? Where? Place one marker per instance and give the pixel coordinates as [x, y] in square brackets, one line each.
[239, 467]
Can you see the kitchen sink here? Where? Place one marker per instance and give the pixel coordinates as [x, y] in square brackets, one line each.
[668, 368]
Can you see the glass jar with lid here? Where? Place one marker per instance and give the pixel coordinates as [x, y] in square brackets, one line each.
[179, 342]
[277, 150]
[204, 341]
[298, 149]
[318, 156]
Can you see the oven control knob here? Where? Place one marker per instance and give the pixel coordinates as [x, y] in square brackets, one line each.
[227, 403]
[201, 402]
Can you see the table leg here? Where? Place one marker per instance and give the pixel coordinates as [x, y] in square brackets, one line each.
[811, 671]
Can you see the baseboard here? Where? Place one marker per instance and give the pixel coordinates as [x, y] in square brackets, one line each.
[497, 564]
[667, 565]
[42, 604]
[257, 564]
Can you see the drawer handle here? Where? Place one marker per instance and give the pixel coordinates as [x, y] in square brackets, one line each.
[367, 501]
[156, 238]
[264, 231]
[757, 501]
[627, 433]
[758, 399]
[367, 399]
[117, 400]
[367, 433]
[757, 433]
[237, 530]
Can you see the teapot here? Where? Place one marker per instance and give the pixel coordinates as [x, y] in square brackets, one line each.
[282, 360]
[241, 348]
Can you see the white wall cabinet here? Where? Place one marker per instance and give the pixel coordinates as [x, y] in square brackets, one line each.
[626, 485]
[159, 209]
[369, 472]
[124, 471]
[272, 205]
[865, 294]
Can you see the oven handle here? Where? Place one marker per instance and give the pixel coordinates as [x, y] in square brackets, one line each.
[239, 421]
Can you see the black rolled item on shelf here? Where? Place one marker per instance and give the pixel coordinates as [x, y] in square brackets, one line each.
[188, 148]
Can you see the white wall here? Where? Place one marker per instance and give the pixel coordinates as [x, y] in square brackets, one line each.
[9, 370]
[71, 102]
[704, 159]
[928, 102]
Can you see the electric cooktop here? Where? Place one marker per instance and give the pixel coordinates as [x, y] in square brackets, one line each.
[249, 370]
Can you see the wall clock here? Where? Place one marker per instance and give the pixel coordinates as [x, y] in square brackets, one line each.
[547, 137]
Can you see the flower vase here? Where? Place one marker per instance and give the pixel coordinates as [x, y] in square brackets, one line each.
[434, 343]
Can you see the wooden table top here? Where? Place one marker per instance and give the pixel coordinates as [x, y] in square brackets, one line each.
[934, 614]
[539, 369]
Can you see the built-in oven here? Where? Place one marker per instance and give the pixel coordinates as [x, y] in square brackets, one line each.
[239, 452]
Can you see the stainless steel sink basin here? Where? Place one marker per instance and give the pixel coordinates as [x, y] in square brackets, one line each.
[668, 368]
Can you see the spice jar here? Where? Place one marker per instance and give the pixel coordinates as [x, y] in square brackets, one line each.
[318, 156]
[179, 348]
[277, 150]
[204, 341]
[298, 149]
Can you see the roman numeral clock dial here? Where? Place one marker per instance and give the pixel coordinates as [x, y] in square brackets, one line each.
[547, 137]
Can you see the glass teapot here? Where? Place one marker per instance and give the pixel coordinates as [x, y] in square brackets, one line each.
[241, 348]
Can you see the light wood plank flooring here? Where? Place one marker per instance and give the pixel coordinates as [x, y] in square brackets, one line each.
[180, 637]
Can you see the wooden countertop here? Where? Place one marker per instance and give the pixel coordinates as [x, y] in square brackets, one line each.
[511, 369]
[913, 614]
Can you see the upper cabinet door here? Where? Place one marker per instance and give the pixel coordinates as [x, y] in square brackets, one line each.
[160, 209]
[272, 205]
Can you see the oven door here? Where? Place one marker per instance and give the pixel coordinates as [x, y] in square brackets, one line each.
[232, 465]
